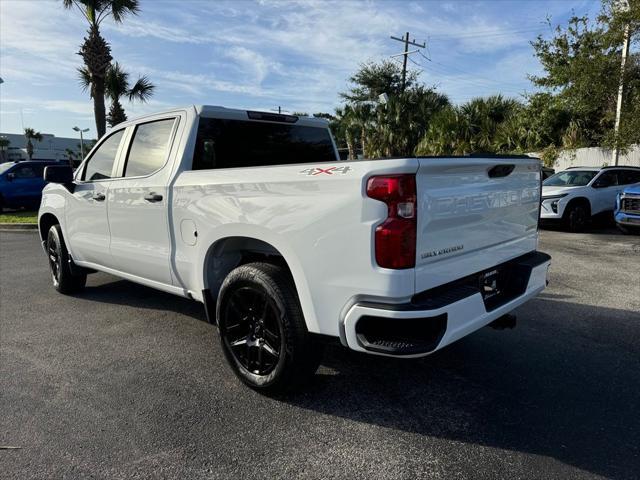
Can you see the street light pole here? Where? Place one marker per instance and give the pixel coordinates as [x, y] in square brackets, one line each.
[78, 129]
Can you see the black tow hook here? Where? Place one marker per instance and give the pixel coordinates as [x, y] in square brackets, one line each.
[504, 322]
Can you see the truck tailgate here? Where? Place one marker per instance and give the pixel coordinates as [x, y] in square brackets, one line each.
[473, 213]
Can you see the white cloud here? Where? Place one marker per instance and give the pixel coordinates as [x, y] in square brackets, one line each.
[297, 53]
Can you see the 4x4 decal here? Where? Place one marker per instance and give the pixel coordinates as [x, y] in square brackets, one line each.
[325, 171]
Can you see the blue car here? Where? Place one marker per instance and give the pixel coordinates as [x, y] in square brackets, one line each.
[627, 212]
[21, 184]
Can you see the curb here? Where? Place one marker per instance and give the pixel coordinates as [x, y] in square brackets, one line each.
[18, 227]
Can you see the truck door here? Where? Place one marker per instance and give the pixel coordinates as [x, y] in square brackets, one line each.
[25, 186]
[138, 203]
[86, 211]
[606, 186]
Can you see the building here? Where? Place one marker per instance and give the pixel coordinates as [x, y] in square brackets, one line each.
[50, 148]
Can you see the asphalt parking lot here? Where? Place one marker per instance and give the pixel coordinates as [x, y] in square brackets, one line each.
[125, 382]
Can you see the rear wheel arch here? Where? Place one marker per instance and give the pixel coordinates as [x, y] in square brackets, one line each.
[229, 253]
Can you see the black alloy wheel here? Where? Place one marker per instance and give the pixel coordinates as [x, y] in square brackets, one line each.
[252, 332]
[54, 253]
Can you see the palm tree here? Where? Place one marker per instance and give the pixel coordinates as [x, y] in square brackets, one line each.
[31, 134]
[346, 128]
[116, 85]
[95, 51]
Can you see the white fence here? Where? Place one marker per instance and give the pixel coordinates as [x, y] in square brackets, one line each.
[595, 157]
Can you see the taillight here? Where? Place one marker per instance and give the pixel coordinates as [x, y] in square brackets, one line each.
[395, 238]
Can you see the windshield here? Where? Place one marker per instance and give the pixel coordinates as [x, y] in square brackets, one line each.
[5, 166]
[570, 178]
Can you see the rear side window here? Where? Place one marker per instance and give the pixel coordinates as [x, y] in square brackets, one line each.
[629, 176]
[149, 148]
[239, 143]
[100, 164]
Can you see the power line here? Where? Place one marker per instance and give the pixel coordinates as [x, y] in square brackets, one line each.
[479, 34]
[480, 77]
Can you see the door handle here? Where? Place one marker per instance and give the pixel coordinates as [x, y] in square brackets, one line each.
[98, 197]
[153, 197]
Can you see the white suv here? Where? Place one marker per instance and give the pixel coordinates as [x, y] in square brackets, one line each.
[578, 193]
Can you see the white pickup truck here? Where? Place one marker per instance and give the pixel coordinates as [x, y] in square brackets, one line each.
[253, 215]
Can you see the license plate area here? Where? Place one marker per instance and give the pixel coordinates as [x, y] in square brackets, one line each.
[491, 284]
[502, 284]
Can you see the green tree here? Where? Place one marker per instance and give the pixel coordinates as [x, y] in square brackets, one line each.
[72, 156]
[345, 130]
[95, 51]
[116, 86]
[402, 122]
[30, 134]
[582, 72]
[479, 125]
[392, 127]
[373, 79]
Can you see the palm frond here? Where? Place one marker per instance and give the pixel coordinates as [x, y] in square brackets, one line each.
[84, 78]
[116, 82]
[142, 90]
[118, 9]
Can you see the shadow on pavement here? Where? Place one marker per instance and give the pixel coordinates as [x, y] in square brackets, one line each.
[123, 292]
[564, 384]
[548, 394]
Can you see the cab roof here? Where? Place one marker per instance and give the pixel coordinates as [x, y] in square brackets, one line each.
[215, 111]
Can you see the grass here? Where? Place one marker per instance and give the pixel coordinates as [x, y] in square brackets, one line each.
[19, 217]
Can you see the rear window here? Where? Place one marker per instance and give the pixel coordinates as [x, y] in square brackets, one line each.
[238, 143]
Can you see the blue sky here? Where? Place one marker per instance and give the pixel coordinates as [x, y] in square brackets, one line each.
[261, 54]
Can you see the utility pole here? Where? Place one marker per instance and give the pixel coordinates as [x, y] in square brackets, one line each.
[625, 54]
[406, 54]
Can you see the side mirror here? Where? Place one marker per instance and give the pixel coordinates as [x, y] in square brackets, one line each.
[11, 176]
[600, 185]
[58, 174]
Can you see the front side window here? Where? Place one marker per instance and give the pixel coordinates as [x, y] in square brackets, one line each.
[240, 143]
[607, 179]
[100, 164]
[570, 178]
[149, 148]
[25, 172]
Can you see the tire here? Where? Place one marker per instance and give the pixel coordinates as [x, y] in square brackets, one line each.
[262, 329]
[576, 217]
[64, 281]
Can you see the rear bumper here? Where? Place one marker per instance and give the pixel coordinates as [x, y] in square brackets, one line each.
[442, 315]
